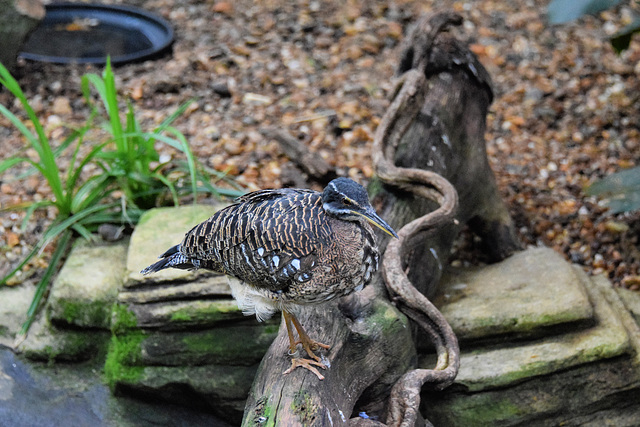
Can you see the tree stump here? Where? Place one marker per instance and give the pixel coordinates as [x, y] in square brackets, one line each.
[17, 19]
[429, 153]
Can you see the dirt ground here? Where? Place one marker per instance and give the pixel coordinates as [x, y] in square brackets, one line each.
[566, 110]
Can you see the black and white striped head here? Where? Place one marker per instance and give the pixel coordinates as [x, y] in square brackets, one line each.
[347, 200]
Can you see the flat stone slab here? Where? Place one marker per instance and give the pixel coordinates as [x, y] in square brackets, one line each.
[158, 230]
[176, 315]
[526, 295]
[14, 303]
[204, 287]
[501, 367]
[47, 343]
[88, 284]
[583, 377]
[631, 301]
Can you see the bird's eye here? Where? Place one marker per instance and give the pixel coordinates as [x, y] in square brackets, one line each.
[346, 202]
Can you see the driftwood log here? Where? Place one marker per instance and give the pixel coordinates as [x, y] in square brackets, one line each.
[429, 152]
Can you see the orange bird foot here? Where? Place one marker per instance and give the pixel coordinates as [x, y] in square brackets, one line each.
[307, 364]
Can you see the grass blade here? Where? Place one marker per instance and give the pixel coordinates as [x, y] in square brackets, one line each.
[34, 251]
[61, 249]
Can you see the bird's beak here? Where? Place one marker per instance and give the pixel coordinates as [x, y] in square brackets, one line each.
[374, 219]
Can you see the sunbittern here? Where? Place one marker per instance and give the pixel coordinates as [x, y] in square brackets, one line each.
[287, 248]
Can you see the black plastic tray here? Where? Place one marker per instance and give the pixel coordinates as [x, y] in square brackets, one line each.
[87, 33]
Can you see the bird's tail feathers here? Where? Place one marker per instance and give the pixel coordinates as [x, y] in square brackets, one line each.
[172, 258]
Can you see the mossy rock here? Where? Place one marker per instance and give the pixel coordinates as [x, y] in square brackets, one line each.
[14, 303]
[193, 379]
[551, 380]
[176, 315]
[210, 367]
[47, 343]
[243, 345]
[87, 286]
[530, 294]
[631, 300]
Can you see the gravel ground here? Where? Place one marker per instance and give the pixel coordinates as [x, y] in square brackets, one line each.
[566, 109]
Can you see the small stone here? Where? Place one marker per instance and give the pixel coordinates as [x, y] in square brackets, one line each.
[12, 239]
[111, 232]
[222, 89]
[616, 226]
[254, 98]
[233, 147]
[223, 7]
[61, 106]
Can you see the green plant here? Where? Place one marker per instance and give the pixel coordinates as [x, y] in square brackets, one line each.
[561, 11]
[619, 191]
[125, 160]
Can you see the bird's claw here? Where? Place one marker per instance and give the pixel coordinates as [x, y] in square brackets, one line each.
[315, 345]
[307, 364]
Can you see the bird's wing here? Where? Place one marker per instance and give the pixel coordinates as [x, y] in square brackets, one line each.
[268, 238]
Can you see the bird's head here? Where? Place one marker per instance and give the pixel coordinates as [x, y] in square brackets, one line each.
[347, 200]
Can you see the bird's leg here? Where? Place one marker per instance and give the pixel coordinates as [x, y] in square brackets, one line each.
[307, 344]
[292, 341]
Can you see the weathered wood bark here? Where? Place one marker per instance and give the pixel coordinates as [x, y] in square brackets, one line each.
[436, 122]
[17, 19]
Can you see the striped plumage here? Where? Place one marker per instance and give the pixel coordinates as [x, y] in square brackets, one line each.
[286, 248]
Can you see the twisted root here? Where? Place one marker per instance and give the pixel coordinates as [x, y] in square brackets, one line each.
[405, 395]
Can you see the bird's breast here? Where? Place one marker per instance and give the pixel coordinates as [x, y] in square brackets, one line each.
[344, 262]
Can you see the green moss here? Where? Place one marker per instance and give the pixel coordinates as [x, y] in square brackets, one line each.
[246, 344]
[304, 408]
[122, 319]
[70, 311]
[206, 312]
[272, 329]
[89, 313]
[122, 358]
[124, 351]
[262, 414]
[374, 187]
[181, 316]
[50, 354]
[387, 318]
[483, 412]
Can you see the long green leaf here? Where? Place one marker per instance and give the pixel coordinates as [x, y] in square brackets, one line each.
[32, 208]
[61, 249]
[24, 130]
[170, 186]
[11, 162]
[74, 172]
[191, 162]
[72, 180]
[93, 191]
[83, 232]
[41, 143]
[56, 229]
[22, 263]
[111, 105]
[16, 160]
[169, 120]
